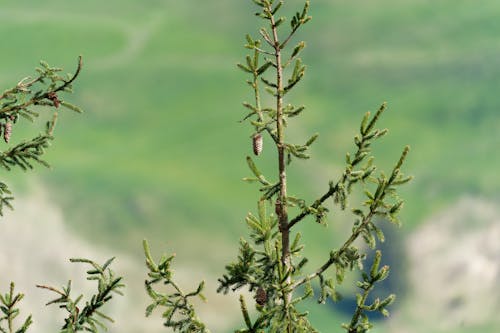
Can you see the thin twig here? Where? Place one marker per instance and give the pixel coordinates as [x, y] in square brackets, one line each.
[339, 253]
[315, 205]
[359, 309]
[45, 95]
[289, 36]
[263, 51]
[57, 291]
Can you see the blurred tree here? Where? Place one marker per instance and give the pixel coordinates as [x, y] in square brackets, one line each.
[26, 100]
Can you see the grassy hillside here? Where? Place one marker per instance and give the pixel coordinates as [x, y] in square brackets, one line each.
[159, 152]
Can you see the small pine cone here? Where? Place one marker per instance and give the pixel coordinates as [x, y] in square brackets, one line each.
[7, 131]
[277, 207]
[257, 144]
[53, 97]
[261, 296]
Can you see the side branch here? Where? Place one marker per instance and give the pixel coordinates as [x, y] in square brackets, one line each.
[315, 205]
[363, 141]
[73, 78]
[384, 187]
[298, 20]
[38, 98]
[334, 256]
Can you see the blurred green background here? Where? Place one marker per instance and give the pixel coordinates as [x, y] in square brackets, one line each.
[159, 152]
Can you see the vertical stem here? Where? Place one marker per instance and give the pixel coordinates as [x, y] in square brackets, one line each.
[11, 330]
[359, 310]
[282, 207]
[11, 306]
[255, 86]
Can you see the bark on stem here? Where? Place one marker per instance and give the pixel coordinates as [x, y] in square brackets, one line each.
[282, 207]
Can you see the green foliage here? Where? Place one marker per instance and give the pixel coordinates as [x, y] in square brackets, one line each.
[179, 314]
[89, 317]
[24, 101]
[8, 305]
[360, 322]
[23, 153]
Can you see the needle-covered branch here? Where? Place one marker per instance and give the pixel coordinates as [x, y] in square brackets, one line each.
[24, 153]
[347, 256]
[26, 100]
[41, 90]
[179, 313]
[87, 317]
[10, 311]
[299, 19]
[5, 197]
[340, 190]
[360, 322]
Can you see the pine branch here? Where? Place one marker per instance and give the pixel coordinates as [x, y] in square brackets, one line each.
[375, 202]
[360, 322]
[8, 307]
[41, 96]
[179, 313]
[5, 197]
[253, 66]
[24, 153]
[349, 176]
[298, 20]
[20, 101]
[89, 317]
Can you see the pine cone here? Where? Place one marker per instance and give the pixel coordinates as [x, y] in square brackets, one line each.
[261, 296]
[257, 144]
[7, 131]
[277, 207]
[53, 97]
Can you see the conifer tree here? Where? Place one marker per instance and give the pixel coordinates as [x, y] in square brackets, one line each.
[271, 264]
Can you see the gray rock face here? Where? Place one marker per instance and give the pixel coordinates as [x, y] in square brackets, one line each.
[455, 267]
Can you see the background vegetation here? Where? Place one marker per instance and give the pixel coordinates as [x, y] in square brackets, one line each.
[159, 153]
